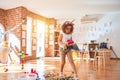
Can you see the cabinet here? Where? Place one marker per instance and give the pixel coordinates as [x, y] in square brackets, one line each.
[56, 46]
[51, 39]
[92, 47]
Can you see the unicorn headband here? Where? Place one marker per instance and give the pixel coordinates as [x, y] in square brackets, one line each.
[70, 22]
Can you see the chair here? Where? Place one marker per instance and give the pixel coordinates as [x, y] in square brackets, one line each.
[103, 56]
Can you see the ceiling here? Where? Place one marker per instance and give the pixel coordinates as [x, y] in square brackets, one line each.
[60, 9]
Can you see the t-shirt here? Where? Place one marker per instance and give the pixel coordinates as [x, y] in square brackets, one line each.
[65, 36]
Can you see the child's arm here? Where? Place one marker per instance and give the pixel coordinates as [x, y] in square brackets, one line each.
[64, 45]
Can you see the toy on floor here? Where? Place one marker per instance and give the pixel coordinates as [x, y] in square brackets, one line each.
[54, 76]
[34, 71]
[22, 55]
[5, 69]
[27, 77]
[50, 76]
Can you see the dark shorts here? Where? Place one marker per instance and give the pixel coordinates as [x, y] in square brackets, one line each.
[64, 51]
[69, 48]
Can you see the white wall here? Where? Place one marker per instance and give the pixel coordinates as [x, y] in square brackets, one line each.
[107, 27]
[114, 33]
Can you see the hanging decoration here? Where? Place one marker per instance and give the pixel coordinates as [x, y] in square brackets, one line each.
[15, 27]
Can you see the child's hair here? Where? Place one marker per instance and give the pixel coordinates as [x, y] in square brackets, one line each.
[65, 24]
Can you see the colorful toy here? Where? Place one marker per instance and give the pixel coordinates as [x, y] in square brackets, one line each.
[70, 42]
[5, 69]
[54, 76]
[26, 77]
[38, 58]
[22, 55]
[50, 76]
[34, 71]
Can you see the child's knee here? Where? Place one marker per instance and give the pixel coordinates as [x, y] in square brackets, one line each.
[63, 62]
[72, 62]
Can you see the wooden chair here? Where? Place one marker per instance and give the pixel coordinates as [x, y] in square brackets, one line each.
[103, 56]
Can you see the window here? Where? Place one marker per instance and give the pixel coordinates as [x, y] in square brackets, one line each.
[40, 38]
[29, 36]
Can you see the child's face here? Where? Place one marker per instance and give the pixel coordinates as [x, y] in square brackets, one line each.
[68, 29]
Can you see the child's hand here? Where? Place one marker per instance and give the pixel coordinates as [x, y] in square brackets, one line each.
[64, 46]
[70, 42]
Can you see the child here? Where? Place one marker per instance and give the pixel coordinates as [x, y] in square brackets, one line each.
[65, 48]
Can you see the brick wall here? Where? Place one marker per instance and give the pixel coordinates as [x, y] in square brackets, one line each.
[2, 16]
[11, 17]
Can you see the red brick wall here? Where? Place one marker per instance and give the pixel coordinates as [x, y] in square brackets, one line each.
[2, 16]
[12, 18]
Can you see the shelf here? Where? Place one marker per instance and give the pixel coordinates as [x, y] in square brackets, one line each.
[56, 31]
[51, 40]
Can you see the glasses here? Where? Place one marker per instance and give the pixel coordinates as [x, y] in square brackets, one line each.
[68, 28]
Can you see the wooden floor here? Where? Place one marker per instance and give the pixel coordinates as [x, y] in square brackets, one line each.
[86, 70]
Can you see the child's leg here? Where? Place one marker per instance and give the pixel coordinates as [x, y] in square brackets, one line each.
[70, 58]
[62, 62]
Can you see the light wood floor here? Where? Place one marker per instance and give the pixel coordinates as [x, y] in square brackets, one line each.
[86, 70]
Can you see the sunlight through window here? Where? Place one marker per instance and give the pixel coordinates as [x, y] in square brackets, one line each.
[40, 38]
[29, 36]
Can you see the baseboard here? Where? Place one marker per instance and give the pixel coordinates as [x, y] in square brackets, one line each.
[115, 58]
